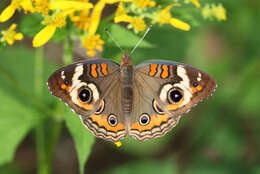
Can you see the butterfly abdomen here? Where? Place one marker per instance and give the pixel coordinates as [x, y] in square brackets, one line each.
[127, 88]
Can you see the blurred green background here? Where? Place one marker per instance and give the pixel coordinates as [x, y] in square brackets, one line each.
[220, 135]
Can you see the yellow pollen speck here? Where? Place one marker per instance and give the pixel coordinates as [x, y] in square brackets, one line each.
[118, 144]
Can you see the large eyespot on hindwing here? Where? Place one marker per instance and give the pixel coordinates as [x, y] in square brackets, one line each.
[112, 120]
[144, 119]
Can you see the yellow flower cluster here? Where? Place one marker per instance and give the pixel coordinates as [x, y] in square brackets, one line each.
[214, 11]
[10, 35]
[86, 17]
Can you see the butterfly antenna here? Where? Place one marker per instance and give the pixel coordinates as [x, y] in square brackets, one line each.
[138, 43]
[111, 37]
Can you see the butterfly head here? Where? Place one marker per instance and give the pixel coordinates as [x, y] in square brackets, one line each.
[126, 60]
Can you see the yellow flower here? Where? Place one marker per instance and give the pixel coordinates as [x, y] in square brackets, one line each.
[137, 22]
[120, 10]
[206, 12]
[96, 14]
[66, 5]
[9, 11]
[196, 3]
[82, 21]
[41, 6]
[52, 22]
[95, 17]
[219, 12]
[165, 17]
[115, 1]
[91, 43]
[118, 144]
[58, 19]
[145, 3]
[10, 35]
[121, 16]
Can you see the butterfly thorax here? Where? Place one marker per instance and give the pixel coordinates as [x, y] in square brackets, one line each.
[126, 79]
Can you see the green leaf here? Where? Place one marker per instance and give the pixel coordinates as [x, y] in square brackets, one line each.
[60, 35]
[146, 166]
[30, 24]
[16, 120]
[127, 38]
[82, 137]
[17, 70]
[163, 43]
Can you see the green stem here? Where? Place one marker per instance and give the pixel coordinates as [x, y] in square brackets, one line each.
[38, 81]
[52, 141]
[40, 137]
[45, 148]
[67, 50]
[58, 117]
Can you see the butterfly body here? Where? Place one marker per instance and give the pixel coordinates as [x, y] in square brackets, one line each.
[144, 101]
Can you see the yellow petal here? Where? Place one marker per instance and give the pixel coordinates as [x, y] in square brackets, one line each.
[7, 13]
[27, 5]
[18, 36]
[12, 27]
[168, 8]
[95, 17]
[44, 35]
[196, 3]
[115, 1]
[179, 24]
[63, 5]
[123, 18]
[120, 10]
[10, 41]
